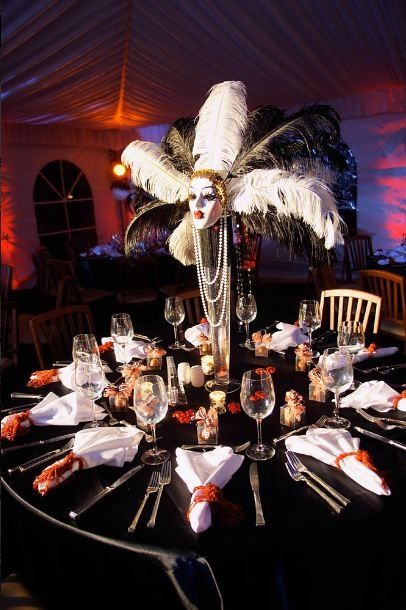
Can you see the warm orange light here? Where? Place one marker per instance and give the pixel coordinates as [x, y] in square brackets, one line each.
[119, 169]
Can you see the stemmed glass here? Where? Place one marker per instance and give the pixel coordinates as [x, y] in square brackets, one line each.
[122, 332]
[83, 346]
[151, 406]
[258, 400]
[174, 314]
[351, 337]
[89, 379]
[337, 375]
[310, 318]
[246, 310]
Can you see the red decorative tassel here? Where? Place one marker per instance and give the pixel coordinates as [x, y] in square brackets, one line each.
[40, 378]
[12, 427]
[365, 458]
[398, 399]
[52, 475]
[226, 512]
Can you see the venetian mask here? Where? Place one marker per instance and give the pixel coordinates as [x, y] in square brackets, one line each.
[204, 202]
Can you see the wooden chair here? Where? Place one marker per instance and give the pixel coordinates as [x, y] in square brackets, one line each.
[69, 292]
[193, 305]
[392, 288]
[9, 334]
[54, 330]
[323, 278]
[340, 304]
[138, 281]
[357, 248]
[6, 281]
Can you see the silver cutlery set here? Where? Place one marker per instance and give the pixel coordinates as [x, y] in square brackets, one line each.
[156, 484]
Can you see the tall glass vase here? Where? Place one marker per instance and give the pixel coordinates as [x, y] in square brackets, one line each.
[218, 305]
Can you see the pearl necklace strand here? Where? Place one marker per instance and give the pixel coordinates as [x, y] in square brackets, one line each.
[222, 270]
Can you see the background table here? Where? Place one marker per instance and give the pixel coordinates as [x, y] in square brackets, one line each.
[305, 557]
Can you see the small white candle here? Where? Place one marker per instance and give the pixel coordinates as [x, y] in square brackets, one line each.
[207, 364]
[197, 376]
[184, 372]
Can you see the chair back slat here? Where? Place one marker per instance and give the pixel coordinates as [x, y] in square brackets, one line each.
[54, 330]
[347, 304]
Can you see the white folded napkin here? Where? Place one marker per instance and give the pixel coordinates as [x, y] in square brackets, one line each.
[193, 333]
[288, 335]
[375, 394]
[92, 447]
[380, 352]
[67, 375]
[135, 349]
[326, 445]
[216, 466]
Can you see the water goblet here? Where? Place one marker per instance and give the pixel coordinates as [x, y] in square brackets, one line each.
[246, 310]
[122, 332]
[90, 382]
[351, 337]
[258, 400]
[310, 318]
[174, 314]
[84, 345]
[151, 406]
[337, 376]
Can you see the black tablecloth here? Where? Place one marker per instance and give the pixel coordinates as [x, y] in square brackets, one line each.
[305, 557]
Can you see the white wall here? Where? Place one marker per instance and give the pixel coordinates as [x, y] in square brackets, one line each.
[21, 166]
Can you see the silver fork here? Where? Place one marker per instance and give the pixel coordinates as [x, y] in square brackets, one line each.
[112, 420]
[33, 463]
[296, 476]
[318, 424]
[380, 421]
[164, 479]
[296, 463]
[383, 370]
[151, 488]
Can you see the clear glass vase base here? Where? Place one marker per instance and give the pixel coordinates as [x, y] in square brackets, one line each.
[231, 386]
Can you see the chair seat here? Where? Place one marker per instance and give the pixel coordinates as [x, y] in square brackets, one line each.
[394, 328]
[89, 295]
[137, 298]
[14, 594]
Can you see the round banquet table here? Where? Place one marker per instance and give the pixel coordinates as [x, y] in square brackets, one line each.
[305, 557]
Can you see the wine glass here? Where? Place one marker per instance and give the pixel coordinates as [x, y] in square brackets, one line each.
[246, 310]
[310, 318]
[337, 375]
[174, 314]
[151, 406]
[84, 345]
[90, 382]
[351, 337]
[258, 400]
[122, 332]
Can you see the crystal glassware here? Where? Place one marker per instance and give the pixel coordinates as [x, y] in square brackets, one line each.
[310, 319]
[90, 381]
[83, 346]
[151, 406]
[351, 337]
[337, 376]
[174, 314]
[258, 400]
[246, 310]
[122, 332]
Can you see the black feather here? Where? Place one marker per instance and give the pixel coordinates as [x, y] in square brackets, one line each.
[281, 140]
[178, 144]
[293, 234]
[155, 219]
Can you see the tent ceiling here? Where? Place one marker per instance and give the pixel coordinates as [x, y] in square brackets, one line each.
[114, 64]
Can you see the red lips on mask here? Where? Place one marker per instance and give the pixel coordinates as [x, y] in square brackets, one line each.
[198, 214]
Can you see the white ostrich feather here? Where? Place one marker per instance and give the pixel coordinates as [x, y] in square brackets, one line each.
[303, 197]
[152, 170]
[181, 241]
[220, 127]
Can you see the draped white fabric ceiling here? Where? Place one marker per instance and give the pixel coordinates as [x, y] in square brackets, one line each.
[117, 64]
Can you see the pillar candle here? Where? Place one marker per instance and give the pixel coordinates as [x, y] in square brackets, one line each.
[184, 372]
[197, 376]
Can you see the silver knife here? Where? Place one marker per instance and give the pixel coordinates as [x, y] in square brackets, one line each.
[254, 480]
[18, 409]
[75, 514]
[236, 448]
[23, 395]
[378, 437]
[55, 439]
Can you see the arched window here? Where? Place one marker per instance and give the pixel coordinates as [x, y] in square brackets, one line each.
[64, 209]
